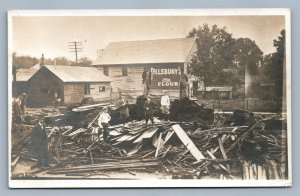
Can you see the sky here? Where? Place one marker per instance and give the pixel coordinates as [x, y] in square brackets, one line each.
[50, 35]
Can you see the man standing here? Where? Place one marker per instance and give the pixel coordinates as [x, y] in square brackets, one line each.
[147, 80]
[103, 123]
[39, 141]
[148, 111]
[23, 99]
[183, 83]
[165, 105]
[123, 108]
[57, 100]
[17, 110]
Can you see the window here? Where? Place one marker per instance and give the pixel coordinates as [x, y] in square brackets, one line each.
[105, 70]
[87, 89]
[124, 71]
[101, 88]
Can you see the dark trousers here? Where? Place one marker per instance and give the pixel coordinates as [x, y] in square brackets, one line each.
[165, 116]
[147, 87]
[42, 156]
[183, 91]
[149, 116]
[105, 131]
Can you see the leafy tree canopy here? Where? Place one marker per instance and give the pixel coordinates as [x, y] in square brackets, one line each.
[218, 50]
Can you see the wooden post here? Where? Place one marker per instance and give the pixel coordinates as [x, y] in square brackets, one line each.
[158, 144]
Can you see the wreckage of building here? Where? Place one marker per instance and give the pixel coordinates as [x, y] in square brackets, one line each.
[198, 143]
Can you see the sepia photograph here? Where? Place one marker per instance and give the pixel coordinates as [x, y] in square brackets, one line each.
[149, 98]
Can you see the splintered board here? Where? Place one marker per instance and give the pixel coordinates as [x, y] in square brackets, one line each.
[188, 142]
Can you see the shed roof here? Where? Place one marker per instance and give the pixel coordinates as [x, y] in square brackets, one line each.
[24, 74]
[77, 74]
[147, 51]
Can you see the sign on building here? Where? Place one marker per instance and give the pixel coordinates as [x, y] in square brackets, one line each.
[165, 77]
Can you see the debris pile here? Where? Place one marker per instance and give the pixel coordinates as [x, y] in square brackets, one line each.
[188, 148]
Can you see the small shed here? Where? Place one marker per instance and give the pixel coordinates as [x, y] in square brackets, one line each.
[70, 84]
[216, 92]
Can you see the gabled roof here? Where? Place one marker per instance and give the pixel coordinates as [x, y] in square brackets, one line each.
[24, 74]
[76, 73]
[147, 51]
[36, 66]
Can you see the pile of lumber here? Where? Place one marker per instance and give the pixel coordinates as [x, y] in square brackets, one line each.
[190, 146]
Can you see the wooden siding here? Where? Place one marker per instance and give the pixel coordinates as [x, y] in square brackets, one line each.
[132, 82]
[73, 93]
[100, 95]
[41, 89]
[19, 87]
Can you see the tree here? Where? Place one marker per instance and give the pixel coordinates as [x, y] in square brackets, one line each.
[218, 50]
[61, 61]
[83, 61]
[20, 62]
[247, 55]
[213, 54]
[274, 65]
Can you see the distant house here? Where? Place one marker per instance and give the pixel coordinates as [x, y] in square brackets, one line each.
[124, 62]
[69, 83]
[237, 81]
[216, 92]
[20, 80]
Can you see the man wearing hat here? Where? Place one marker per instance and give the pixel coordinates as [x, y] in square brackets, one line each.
[39, 141]
[147, 79]
[123, 108]
[183, 84]
[148, 111]
[165, 105]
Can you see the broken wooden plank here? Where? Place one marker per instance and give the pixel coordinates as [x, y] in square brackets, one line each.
[188, 142]
[169, 135]
[148, 154]
[91, 156]
[213, 157]
[147, 134]
[248, 131]
[222, 149]
[15, 162]
[165, 153]
[135, 149]
[80, 130]
[124, 138]
[158, 144]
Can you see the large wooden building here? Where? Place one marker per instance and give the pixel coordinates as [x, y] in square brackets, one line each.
[124, 63]
[70, 84]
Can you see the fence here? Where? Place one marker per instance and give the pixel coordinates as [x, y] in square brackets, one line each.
[244, 104]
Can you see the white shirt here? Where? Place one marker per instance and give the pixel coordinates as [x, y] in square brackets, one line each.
[165, 101]
[104, 118]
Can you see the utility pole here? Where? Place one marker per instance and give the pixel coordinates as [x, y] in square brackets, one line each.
[75, 47]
